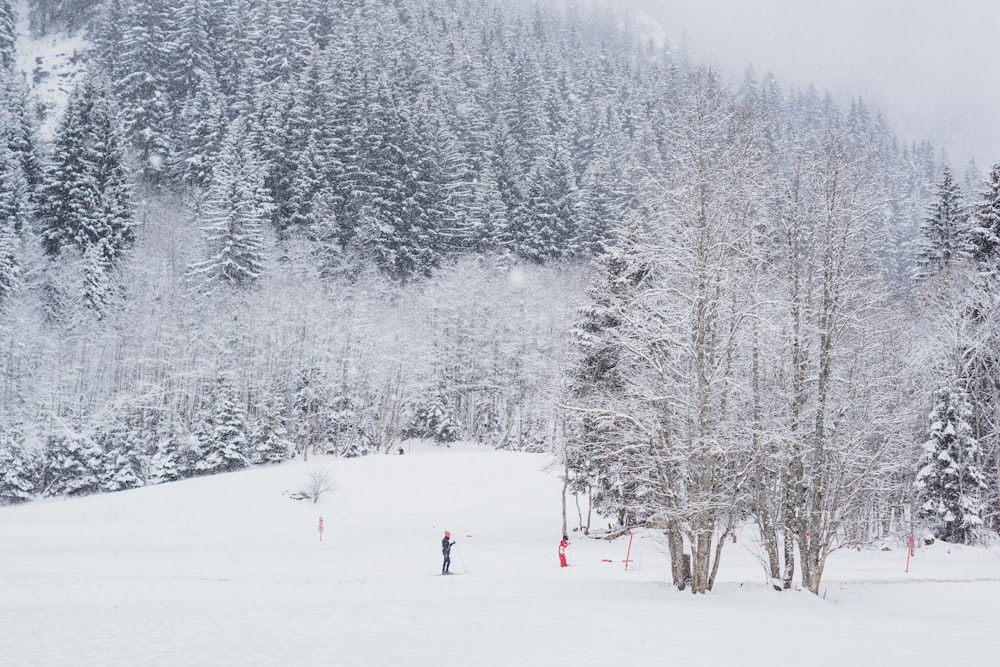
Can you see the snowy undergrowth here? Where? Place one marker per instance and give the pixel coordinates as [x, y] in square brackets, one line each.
[231, 570]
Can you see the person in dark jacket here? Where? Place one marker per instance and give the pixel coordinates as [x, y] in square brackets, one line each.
[563, 543]
[446, 544]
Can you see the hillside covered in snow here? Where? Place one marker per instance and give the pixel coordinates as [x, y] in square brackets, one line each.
[231, 570]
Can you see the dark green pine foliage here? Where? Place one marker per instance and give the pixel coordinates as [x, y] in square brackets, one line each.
[8, 34]
[86, 198]
[72, 464]
[19, 474]
[310, 417]
[984, 230]
[123, 463]
[435, 418]
[99, 284]
[18, 129]
[949, 482]
[143, 86]
[237, 38]
[107, 35]
[596, 337]
[443, 183]
[598, 377]
[505, 160]
[47, 16]
[236, 209]
[192, 46]
[200, 140]
[943, 233]
[397, 228]
[13, 217]
[310, 203]
[230, 444]
[486, 224]
[298, 149]
[269, 441]
[172, 459]
[550, 215]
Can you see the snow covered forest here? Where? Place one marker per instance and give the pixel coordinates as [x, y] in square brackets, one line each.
[258, 229]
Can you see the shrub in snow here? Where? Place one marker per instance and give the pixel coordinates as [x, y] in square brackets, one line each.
[317, 482]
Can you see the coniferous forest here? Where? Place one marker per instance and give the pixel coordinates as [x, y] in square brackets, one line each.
[258, 229]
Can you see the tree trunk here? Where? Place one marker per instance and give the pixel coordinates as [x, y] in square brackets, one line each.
[565, 488]
[680, 563]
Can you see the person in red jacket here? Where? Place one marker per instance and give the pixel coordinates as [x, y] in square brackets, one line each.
[563, 543]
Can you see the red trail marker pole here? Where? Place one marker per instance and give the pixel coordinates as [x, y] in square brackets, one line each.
[629, 551]
[320, 529]
[909, 552]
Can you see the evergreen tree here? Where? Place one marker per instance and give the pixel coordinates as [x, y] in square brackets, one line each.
[72, 465]
[230, 446]
[18, 469]
[8, 34]
[18, 127]
[598, 454]
[13, 217]
[551, 212]
[308, 408]
[435, 418]
[200, 444]
[199, 142]
[192, 44]
[398, 230]
[86, 200]
[486, 224]
[172, 460]
[949, 481]
[309, 199]
[299, 148]
[943, 233]
[984, 232]
[98, 281]
[143, 87]
[123, 464]
[600, 211]
[269, 441]
[238, 205]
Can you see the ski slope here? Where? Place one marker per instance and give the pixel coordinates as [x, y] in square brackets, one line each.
[229, 570]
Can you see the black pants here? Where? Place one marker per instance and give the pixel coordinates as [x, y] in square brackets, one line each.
[446, 564]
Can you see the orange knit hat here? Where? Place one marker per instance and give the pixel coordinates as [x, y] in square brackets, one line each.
[447, 534]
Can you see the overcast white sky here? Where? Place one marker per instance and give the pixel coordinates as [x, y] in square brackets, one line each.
[932, 66]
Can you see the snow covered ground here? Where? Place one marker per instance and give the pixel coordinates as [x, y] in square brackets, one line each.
[229, 570]
[51, 64]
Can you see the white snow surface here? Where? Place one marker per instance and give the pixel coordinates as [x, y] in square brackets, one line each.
[229, 570]
[52, 66]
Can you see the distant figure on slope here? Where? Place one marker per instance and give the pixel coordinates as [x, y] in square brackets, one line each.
[446, 544]
[563, 543]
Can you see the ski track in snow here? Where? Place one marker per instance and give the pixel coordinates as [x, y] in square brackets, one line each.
[227, 570]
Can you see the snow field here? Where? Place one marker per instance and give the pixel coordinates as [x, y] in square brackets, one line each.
[228, 570]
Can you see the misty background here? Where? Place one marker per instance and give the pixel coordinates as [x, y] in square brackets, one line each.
[928, 66]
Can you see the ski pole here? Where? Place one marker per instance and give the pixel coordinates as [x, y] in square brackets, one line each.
[460, 559]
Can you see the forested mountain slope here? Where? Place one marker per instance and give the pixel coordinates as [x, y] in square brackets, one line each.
[273, 226]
